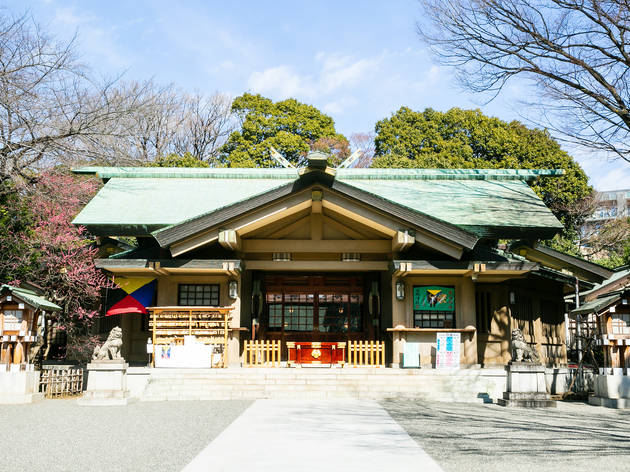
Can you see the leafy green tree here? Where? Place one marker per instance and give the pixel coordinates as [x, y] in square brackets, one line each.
[175, 160]
[289, 126]
[469, 139]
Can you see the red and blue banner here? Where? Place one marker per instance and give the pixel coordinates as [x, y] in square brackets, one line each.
[134, 295]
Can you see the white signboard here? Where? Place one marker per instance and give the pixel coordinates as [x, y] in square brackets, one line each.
[411, 355]
[448, 351]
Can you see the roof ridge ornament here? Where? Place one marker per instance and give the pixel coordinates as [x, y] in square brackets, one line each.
[280, 159]
[351, 159]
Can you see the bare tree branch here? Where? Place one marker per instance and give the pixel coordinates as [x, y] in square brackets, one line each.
[574, 51]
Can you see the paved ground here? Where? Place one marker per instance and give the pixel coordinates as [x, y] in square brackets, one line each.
[313, 436]
[468, 437]
[59, 435]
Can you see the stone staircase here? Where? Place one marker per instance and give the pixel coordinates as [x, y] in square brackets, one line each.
[474, 385]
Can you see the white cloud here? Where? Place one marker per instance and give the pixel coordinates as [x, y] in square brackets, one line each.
[93, 40]
[338, 107]
[282, 82]
[333, 80]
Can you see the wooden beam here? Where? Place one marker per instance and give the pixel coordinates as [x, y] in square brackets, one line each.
[317, 228]
[320, 266]
[282, 232]
[258, 221]
[383, 227]
[351, 233]
[247, 223]
[386, 225]
[324, 246]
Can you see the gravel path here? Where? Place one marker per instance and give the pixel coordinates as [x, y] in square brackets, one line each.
[488, 438]
[59, 435]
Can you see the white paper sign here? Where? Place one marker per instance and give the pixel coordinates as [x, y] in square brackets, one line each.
[448, 351]
[411, 355]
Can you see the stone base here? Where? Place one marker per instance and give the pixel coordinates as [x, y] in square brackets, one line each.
[107, 384]
[16, 399]
[19, 387]
[609, 402]
[526, 400]
[104, 398]
[526, 387]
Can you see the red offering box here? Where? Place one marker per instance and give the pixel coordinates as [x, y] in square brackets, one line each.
[326, 353]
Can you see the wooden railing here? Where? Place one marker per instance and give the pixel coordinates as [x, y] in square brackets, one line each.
[55, 383]
[261, 354]
[366, 354]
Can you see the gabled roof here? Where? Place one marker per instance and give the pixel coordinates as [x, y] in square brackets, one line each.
[618, 280]
[599, 304]
[30, 297]
[558, 260]
[467, 204]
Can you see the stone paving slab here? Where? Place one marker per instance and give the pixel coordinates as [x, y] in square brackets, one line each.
[313, 436]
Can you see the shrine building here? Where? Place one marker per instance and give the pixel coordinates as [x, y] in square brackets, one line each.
[306, 264]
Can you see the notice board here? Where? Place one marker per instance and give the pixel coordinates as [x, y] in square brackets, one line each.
[448, 350]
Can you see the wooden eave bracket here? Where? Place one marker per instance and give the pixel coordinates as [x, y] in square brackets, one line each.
[230, 239]
[402, 240]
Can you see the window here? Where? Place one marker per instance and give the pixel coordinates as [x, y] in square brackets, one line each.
[620, 324]
[340, 313]
[198, 295]
[18, 314]
[433, 307]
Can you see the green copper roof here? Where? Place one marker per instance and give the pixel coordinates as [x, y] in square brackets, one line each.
[140, 200]
[187, 173]
[474, 205]
[136, 206]
[29, 297]
[597, 305]
[342, 174]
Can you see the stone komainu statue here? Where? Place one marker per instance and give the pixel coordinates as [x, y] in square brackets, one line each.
[111, 348]
[521, 351]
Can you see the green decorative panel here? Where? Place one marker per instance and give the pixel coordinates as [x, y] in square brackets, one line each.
[433, 298]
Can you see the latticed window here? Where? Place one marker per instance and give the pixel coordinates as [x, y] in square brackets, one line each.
[198, 295]
[340, 313]
[621, 324]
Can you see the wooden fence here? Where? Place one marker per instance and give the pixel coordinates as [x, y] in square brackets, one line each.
[261, 354]
[366, 354]
[61, 382]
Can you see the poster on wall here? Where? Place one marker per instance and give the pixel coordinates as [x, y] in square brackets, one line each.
[448, 351]
[433, 298]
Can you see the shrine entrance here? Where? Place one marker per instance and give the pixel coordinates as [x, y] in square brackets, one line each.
[317, 308]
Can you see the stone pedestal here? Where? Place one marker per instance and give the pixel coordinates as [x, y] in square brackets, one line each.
[526, 386]
[612, 391]
[19, 387]
[107, 384]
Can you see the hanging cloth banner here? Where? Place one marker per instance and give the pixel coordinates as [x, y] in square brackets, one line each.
[134, 295]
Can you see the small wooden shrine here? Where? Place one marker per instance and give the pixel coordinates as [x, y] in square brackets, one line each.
[20, 309]
[612, 312]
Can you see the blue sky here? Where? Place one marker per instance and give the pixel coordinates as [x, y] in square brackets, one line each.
[357, 61]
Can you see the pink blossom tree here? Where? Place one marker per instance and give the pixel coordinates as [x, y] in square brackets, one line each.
[59, 257]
